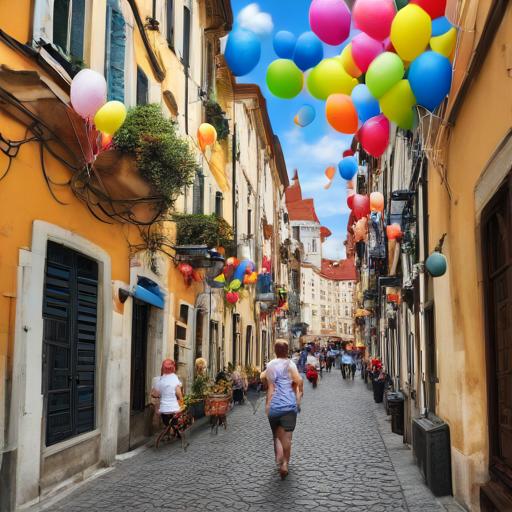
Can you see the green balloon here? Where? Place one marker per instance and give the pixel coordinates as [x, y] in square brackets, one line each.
[384, 72]
[284, 79]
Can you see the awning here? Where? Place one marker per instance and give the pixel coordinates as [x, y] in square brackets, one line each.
[148, 291]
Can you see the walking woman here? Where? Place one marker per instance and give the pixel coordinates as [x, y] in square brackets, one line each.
[285, 389]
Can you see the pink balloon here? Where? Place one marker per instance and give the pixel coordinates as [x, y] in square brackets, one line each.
[330, 21]
[374, 135]
[364, 50]
[88, 93]
[361, 206]
[374, 17]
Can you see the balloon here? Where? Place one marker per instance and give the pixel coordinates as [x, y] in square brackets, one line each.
[330, 172]
[110, 117]
[397, 104]
[241, 269]
[366, 105]
[284, 44]
[436, 264]
[306, 115]
[330, 20]
[444, 44]
[374, 135]
[348, 62]
[361, 229]
[232, 297]
[341, 113]
[284, 79]
[376, 202]
[243, 51]
[440, 26]
[411, 31]
[235, 285]
[374, 17]
[430, 76]
[207, 135]
[361, 206]
[348, 167]
[394, 231]
[296, 120]
[384, 72]
[364, 50]
[328, 78]
[232, 262]
[88, 93]
[348, 152]
[350, 199]
[308, 52]
[251, 278]
[434, 8]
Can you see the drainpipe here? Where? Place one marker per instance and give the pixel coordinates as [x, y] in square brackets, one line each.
[233, 191]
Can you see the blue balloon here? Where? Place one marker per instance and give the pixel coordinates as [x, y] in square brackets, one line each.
[348, 167]
[243, 51]
[240, 270]
[440, 26]
[306, 115]
[308, 52]
[284, 44]
[366, 105]
[430, 76]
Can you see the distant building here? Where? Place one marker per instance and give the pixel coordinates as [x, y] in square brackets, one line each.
[327, 286]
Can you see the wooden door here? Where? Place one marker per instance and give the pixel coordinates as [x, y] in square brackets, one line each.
[139, 355]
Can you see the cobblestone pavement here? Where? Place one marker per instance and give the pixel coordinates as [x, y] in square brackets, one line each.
[339, 464]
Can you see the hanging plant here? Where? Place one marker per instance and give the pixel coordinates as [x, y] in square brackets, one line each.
[198, 229]
[217, 118]
[163, 158]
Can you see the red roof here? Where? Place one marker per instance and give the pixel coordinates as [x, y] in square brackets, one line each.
[293, 193]
[302, 210]
[324, 232]
[344, 271]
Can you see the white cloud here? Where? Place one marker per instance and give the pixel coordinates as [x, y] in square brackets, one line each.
[251, 18]
[333, 249]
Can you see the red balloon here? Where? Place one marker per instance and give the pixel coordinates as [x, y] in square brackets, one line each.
[350, 199]
[434, 8]
[394, 231]
[232, 297]
[374, 135]
[361, 206]
[348, 152]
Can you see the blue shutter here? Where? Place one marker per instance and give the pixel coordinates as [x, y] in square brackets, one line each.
[115, 51]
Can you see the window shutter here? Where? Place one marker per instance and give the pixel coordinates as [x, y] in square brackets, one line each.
[115, 51]
[186, 37]
[77, 28]
[142, 87]
[170, 22]
[198, 194]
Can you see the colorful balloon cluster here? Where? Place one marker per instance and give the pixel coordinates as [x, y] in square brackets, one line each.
[89, 99]
[233, 278]
[401, 58]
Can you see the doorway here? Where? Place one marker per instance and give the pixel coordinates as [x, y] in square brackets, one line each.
[140, 323]
[497, 266]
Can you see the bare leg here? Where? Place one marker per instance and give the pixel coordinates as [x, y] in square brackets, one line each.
[285, 439]
[278, 449]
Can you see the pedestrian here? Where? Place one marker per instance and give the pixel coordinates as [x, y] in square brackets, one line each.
[168, 389]
[301, 363]
[347, 361]
[353, 366]
[329, 359]
[285, 390]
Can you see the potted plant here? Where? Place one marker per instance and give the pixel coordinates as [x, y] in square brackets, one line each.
[197, 395]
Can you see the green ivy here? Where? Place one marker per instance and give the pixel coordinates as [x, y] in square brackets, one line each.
[198, 229]
[163, 158]
[215, 116]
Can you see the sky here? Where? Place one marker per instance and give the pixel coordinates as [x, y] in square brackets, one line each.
[313, 149]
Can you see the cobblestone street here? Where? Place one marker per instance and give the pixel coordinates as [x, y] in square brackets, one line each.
[339, 463]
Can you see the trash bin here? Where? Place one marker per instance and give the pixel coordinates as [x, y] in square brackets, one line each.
[388, 396]
[396, 408]
[378, 390]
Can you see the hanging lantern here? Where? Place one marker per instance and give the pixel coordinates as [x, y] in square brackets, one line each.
[436, 263]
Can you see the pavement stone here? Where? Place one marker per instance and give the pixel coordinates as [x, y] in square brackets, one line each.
[340, 462]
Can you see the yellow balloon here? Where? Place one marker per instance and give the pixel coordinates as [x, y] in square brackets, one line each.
[411, 31]
[446, 43]
[348, 62]
[397, 103]
[110, 117]
[328, 78]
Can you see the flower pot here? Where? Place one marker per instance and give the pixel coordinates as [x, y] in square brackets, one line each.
[198, 410]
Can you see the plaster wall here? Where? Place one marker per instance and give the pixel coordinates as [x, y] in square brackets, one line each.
[484, 120]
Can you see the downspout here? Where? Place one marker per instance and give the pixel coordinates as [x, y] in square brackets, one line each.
[233, 191]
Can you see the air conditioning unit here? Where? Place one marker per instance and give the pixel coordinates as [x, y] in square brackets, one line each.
[432, 453]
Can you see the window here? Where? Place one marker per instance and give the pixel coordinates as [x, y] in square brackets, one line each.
[296, 233]
[219, 198]
[69, 343]
[314, 312]
[314, 244]
[186, 37]
[68, 26]
[184, 314]
[345, 329]
[249, 222]
[346, 310]
[170, 23]
[115, 45]
[142, 87]
[198, 193]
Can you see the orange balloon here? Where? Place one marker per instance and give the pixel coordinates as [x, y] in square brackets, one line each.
[376, 202]
[394, 231]
[296, 120]
[330, 172]
[207, 135]
[341, 113]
